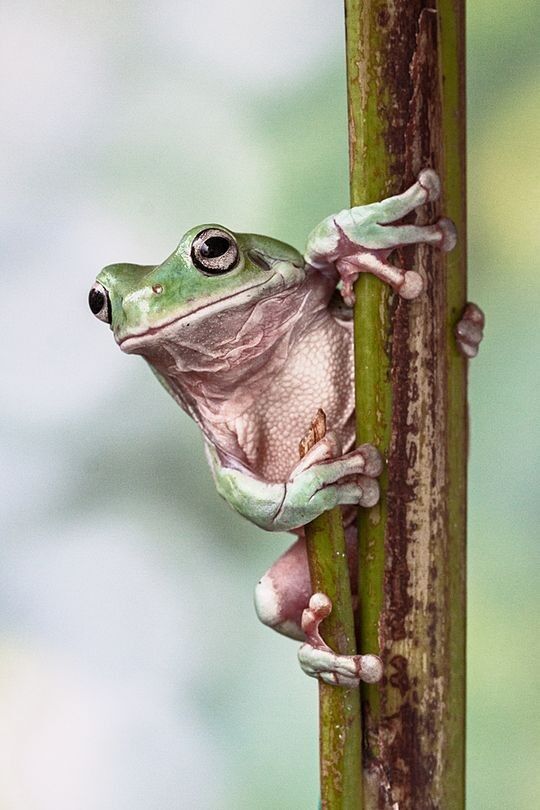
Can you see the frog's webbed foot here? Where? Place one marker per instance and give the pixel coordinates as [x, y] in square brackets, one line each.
[324, 473]
[321, 481]
[318, 660]
[359, 240]
[470, 330]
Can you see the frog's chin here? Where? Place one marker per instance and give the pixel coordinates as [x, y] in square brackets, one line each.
[136, 342]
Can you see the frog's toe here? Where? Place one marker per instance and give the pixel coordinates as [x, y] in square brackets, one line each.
[411, 286]
[448, 234]
[429, 180]
[369, 491]
[470, 330]
[373, 462]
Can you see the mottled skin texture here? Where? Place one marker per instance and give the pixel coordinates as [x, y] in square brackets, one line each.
[241, 331]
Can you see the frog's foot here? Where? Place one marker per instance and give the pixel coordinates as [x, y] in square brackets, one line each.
[319, 661]
[359, 240]
[355, 471]
[470, 330]
[318, 483]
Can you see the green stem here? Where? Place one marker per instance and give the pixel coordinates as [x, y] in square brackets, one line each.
[405, 65]
[339, 708]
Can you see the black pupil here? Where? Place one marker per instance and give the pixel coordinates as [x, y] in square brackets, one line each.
[96, 299]
[214, 247]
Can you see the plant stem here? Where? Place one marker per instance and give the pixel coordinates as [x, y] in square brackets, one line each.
[405, 64]
[339, 708]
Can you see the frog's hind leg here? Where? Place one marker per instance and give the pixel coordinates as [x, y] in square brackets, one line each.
[283, 593]
[284, 602]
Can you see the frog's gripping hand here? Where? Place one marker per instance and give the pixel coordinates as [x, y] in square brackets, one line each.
[359, 240]
[322, 479]
[319, 661]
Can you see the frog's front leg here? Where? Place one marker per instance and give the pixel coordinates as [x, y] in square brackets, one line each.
[359, 240]
[315, 485]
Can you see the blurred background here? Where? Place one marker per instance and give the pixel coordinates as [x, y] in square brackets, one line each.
[133, 671]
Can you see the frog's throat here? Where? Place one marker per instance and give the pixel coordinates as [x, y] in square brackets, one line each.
[128, 342]
[220, 386]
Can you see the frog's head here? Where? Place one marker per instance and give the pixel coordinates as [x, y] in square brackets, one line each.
[211, 272]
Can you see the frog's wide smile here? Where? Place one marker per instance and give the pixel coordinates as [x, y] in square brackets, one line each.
[126, 342]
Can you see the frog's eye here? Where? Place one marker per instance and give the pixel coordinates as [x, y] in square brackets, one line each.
[214, 252]
[99, 302]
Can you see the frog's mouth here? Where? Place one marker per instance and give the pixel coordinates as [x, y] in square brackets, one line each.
[130, 343]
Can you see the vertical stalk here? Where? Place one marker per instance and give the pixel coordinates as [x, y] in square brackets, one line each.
[339, 708]
[405, 66]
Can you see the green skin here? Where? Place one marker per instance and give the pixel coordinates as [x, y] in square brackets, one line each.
[251, 347]
[136, 307]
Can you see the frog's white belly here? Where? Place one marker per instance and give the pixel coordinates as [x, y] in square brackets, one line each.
[319, 373]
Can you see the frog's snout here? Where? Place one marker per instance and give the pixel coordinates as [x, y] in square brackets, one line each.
[100, 303]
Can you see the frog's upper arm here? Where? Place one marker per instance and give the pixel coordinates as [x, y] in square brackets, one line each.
[256, 499]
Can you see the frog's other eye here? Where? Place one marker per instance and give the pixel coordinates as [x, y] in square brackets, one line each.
[214, 252]
[100, 303]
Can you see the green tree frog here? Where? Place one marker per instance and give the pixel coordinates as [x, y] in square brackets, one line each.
[243, 332]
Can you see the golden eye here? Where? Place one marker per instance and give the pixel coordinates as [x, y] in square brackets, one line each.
[214, 252]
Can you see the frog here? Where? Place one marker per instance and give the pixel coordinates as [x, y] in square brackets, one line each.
[249, 337]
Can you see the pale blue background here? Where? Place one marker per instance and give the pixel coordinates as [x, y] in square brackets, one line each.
[133, 673]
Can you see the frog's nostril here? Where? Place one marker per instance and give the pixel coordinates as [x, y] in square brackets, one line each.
[99, 303]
